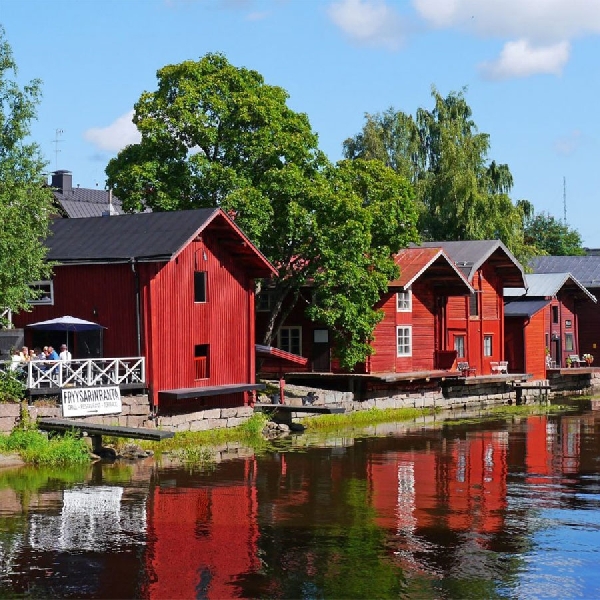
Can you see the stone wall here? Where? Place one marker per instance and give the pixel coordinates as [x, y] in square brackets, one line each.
[136, 409]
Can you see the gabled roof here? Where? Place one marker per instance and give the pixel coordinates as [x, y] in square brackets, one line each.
[585, 268]
[84, 202]
[548, 285]
[416, 261]
[147, 237]
[524, 308]
[470, 255]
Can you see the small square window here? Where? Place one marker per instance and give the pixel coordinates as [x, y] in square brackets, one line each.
[44, 292]
[459, 345]
[290, 340]
[569, 342]
[404, 301]
[264, 301]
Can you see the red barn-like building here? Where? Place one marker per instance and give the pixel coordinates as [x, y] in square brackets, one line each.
[174, 287]
[544, 318]
[476, 323]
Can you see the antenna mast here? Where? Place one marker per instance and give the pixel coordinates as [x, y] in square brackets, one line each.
[565, 200]
[56, 141]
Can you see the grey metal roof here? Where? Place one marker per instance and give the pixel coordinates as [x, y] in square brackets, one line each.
[469, 255]
[548, 285]
[586, 269]
[84, 202]
[524, 308]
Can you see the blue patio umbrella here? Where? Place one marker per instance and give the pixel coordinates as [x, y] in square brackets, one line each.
[66, 323]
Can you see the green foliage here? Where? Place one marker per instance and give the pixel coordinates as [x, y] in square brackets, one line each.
[365, 417]
[461, 196]
[25, 204]
[551, 236]
[12, 388]
[35, 448]
[217, 135]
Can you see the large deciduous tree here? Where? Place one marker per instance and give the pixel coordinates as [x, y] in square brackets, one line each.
[213, 134]
[25, 203]
[461, 194]
[551, 236]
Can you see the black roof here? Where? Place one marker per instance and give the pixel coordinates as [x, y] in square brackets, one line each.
[524, 308]
[148, 237]
[586, 269]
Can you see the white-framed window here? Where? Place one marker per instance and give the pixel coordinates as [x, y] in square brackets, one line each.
[404, 301]
[264, 301]
[290, 339]
[487, 345]
[403, 340]
[459, 346]
[44, 292]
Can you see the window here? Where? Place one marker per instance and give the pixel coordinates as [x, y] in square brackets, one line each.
[44, 292]
[201, 370]
[487, 345]
[459, 345]
[290, 339]
[404, 341]
[404, 301]
[569, 342]
[474, 305]
[555, 314]
[200, 286]
[264, 301]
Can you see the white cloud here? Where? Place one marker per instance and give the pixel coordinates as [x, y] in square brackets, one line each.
[368, 22]
[115, 136]
[520, 59]
[540, 21]
[569, 143]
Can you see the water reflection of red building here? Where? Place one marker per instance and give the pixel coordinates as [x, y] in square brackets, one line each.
[201, 538]
[460, 486]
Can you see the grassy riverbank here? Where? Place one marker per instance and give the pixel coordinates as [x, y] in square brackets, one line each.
[190, 447]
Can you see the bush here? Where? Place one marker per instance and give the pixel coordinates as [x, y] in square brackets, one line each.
[11, 388]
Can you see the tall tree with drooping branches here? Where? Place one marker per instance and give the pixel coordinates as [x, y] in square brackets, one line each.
[25, 202]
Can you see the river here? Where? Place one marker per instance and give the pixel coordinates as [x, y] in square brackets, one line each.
[502, 507]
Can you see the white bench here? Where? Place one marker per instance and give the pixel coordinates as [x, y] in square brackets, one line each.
[499, 367]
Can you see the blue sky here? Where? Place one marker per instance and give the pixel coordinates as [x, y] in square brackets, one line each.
[531, 68]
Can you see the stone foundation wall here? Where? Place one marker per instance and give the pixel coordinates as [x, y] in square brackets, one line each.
[136, 409]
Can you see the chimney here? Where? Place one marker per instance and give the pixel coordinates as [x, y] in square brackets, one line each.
[63, 181]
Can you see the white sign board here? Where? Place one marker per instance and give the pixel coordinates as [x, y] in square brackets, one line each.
[80, 402]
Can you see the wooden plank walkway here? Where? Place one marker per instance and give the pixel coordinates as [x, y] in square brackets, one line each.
[96, 431]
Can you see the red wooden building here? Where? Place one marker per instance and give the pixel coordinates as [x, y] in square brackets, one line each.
[475, 324]
[586, 269]
[411, 336]
[542, 322]
[174, 287]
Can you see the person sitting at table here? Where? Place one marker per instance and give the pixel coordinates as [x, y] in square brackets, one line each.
[51, 354]
[15, 360]
[25, 353]
[64, 353]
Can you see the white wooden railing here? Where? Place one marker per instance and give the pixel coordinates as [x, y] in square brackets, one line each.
[88, 372]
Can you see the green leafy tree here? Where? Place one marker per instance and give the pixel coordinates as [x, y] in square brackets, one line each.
[461, 195]
[216, 135]
[551, 236]
[25, 203]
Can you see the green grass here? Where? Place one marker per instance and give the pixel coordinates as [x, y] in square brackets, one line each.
[365, 417]
[35, 448]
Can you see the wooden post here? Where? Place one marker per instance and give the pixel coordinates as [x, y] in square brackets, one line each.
[281, 390]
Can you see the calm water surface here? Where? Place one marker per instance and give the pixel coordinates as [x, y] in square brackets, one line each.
[505, 508]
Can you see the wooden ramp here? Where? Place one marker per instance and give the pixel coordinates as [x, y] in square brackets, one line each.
[96, 431]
